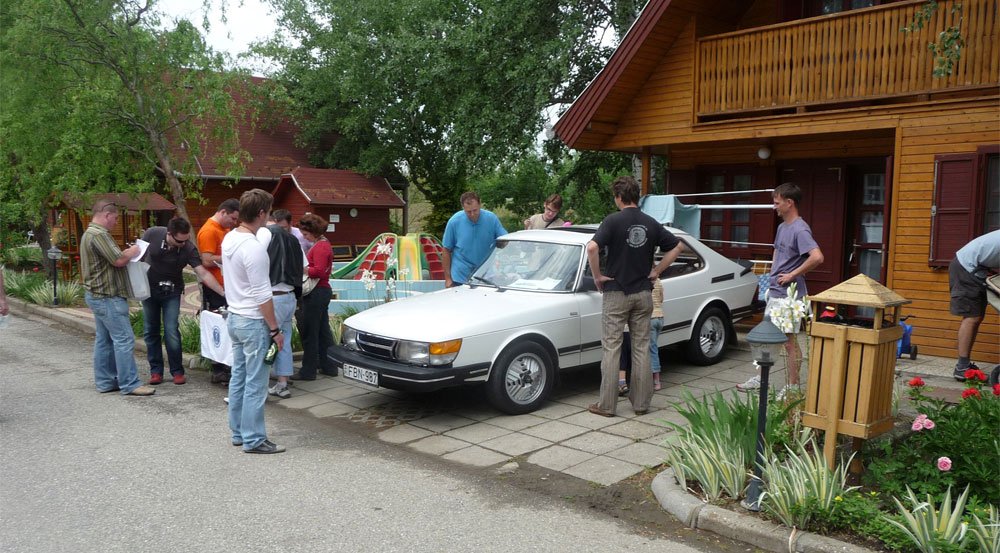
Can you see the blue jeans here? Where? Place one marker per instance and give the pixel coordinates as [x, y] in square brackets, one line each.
[655, 325]
[170, 308]
[248, 384]
[114, 345]
[284, 310]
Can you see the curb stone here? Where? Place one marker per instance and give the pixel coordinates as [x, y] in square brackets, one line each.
[741, 527]
[64, 318]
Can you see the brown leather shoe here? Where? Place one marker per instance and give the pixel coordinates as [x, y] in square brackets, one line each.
[641, 412]
[143, 391]
[595, 409]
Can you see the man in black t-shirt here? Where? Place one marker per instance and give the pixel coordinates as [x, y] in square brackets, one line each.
[170, 249]
[631, 238]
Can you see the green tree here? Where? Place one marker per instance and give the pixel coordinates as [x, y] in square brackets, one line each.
[97, 96]
[438, 90]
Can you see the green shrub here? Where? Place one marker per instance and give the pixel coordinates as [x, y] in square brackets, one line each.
[190, 334]
[794, 489]
[861, 513]
[19, 284]
[736, 419]
[933, 529]
[711, 461]
[964, 433]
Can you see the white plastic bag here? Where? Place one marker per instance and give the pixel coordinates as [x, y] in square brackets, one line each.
[137, 280]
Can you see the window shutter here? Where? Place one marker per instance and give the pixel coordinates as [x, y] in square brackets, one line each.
[952, 221]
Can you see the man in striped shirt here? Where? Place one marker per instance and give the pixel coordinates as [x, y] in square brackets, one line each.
[102, 264]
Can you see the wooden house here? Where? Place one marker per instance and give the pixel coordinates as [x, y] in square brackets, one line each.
[899, 168]
[356, 207]
[72, 215]
[275, 155]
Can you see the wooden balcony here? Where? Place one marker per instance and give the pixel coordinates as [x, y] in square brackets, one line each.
[847, 58]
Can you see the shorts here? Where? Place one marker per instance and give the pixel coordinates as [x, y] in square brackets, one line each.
[968, 293]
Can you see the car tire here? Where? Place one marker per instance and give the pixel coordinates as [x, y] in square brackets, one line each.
[709, 337]
[521, 379]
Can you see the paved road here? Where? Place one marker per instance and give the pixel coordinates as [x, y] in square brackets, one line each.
[82, 471]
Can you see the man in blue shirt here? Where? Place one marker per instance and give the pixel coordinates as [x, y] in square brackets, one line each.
[967, 281]
[469, 238]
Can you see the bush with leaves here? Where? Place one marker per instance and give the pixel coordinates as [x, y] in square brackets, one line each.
[802, 484]
[947, 446]
[718, 445]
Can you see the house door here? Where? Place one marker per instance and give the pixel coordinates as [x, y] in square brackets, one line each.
[868, 231]
[823, 207]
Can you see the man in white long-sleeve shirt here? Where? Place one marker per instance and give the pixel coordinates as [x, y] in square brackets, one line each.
[252, 324]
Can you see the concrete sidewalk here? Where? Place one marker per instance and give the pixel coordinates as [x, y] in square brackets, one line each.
[459, 425]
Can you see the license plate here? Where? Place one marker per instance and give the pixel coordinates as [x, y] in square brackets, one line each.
[365, 376]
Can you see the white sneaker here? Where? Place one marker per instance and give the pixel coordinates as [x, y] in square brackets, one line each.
[225, 400]
[753, 383]
[281, 392]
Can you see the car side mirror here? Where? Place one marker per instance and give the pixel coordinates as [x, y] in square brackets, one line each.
[587, 284]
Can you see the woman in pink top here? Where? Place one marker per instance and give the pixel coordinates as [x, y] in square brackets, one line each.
[314, 320]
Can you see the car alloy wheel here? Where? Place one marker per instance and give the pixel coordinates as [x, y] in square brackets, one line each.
[521, 378]
[709, 337]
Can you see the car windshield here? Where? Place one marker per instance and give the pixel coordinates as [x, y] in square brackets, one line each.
[524, 265]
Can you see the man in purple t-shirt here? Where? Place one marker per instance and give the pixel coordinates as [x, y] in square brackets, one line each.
[795, 254]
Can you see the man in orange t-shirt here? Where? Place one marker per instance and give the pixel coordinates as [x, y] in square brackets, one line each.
[210, 237]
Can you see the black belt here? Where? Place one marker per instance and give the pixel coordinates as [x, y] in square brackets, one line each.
[279, 293]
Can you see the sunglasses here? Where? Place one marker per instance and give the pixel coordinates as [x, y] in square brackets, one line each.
[181, 242]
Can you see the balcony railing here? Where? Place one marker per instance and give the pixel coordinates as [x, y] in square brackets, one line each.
[853, 56]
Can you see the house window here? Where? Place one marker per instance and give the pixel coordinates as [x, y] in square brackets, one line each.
[727, 230]
[992, 219]
[966, 201]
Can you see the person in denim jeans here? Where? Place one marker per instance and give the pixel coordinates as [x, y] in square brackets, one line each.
[286, 265]
[252, 324]
[170, 250]
[102, 266]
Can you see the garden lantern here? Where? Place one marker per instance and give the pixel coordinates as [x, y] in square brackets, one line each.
[55, 254]
[765, 342]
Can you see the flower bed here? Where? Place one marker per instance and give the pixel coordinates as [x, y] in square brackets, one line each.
[932, 487]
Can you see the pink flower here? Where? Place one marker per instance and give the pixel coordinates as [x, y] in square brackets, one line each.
[944, 464]
[921, 417]
[918, 425]
[928, 424]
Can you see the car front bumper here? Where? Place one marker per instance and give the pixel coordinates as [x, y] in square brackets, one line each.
[404, 377]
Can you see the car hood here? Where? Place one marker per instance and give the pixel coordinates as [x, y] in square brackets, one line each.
[462, 312]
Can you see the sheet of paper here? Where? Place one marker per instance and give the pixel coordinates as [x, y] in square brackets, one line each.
[142, 250]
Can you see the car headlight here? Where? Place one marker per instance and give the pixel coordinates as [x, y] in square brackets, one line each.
[349, 338]
[423, 353]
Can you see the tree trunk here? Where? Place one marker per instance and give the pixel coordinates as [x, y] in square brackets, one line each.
[173, 183]
[44, 239]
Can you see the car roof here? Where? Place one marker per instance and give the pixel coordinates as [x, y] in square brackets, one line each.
[572, 234]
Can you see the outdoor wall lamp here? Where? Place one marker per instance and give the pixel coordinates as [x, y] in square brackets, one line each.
[55, 254]
[764, 152]
[765, 341]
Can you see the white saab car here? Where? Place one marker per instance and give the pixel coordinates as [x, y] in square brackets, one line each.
[529, 311]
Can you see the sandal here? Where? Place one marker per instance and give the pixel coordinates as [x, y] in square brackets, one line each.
[622, 390]
[657, 387]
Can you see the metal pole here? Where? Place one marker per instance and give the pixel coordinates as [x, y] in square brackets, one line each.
[55, 278]
[752, 501]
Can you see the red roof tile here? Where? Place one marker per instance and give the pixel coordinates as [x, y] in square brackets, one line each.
[271, 148]
[139, 201]
[339, 187]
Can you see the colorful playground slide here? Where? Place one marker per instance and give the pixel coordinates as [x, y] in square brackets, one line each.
[419, 253]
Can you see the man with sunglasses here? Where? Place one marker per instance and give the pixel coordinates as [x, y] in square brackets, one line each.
[170, 249]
